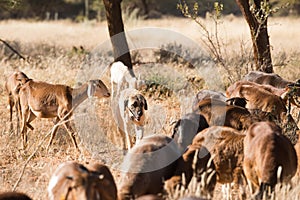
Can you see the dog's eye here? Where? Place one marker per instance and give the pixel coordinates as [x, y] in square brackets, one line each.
[134, 104]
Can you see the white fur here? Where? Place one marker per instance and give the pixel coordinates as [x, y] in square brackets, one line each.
[52, 184]
[125, 121]
[119, 75]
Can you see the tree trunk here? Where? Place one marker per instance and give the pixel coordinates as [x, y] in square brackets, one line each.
[116, 32]
[145, 7]
[86, 9]
[259, 35]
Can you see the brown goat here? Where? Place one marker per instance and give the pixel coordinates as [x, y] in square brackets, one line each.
[147, 165]
[12, 87]
[267, 79]
[257, 98]
[265, 150]
[44, 100]
[186, 128]
[14, 196]
[218, 113]
[73, 181]
[207, 94]
[196, 161]
[289, 94]
[224, 145]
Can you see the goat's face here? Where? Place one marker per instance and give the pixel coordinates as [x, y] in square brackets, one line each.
[183, 128]
[73, 182]
[136, 105]
[97, 88]
[237, 101]
[21, 77]
[85, 187]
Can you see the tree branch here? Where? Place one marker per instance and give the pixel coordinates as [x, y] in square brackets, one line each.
[12, 49]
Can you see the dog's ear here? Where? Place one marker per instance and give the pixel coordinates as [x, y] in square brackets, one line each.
[141, 98]
[125, 104]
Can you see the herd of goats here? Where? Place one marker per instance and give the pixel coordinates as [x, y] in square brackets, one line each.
[244, 139]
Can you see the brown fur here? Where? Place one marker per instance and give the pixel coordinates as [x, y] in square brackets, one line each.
[267, 79]
[44, 100]
[218, 113]
[297, 148]
[75, 181]
[14, 196]
[146, 165]
[206, 95]
[265, 149]
[189, 167]
[257, 98]
[186, 128]
[226, 146]
[149, 197]
[192, 198]
[288, 94]
[12, 87]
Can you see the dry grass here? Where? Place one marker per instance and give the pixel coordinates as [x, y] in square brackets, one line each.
[53, 58]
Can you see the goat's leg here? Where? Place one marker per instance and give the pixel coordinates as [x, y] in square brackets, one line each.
[71, 132]
[27, 117]
[31, 117]
[11, 105]
[25, 114]
[53, 133]
[18, 113]
[23, 133]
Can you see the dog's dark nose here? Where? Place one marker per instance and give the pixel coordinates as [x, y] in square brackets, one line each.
[140, 113]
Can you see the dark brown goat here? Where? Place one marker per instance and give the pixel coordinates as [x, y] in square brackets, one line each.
[14, 196]
[265, 150]
[147, 165]
[186, 128]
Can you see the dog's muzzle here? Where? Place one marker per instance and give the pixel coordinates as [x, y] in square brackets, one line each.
[136, 116]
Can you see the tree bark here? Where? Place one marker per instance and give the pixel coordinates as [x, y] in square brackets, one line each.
[86, 9]
[259, 36]
[116, 32]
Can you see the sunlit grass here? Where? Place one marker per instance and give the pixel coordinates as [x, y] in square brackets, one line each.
[53, 58]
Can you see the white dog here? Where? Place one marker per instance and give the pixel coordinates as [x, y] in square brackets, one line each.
[131, 108]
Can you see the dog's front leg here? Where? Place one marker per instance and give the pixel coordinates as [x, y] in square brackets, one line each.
[127, 136]
[139, 132]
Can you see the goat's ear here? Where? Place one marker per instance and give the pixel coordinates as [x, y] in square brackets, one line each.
[125, 104]
[91, 89]
[142, 99]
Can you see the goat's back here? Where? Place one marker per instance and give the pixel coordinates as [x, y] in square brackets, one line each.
[266, 79]
[265, 149]
[14, 196]
[146, 165]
